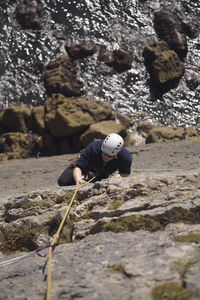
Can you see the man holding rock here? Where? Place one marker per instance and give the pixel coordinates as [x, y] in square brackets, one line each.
[101, 159]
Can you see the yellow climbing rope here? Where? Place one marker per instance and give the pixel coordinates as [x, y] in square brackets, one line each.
[55, 241]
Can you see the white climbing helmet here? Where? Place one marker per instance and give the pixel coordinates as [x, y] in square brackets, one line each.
[112, 144]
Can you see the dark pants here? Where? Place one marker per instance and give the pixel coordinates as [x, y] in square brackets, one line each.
[66, 178]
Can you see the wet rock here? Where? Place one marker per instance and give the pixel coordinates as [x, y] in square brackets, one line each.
[164, 65]
[77, 51]
[169, 28]
[61, 77]
[28, 17]
[191, 30]
[170, 134]
[119, 60]
[192, 80]
[69, 116]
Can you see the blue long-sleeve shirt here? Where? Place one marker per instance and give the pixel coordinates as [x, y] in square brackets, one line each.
[91, 160]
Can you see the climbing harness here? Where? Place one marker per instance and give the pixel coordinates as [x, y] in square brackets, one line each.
[56, 239]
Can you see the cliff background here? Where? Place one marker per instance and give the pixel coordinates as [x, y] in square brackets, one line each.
[35, 33]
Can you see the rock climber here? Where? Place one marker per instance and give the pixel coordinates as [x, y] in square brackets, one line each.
[101, 158]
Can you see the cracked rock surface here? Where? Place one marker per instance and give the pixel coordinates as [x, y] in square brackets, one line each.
[123, 239]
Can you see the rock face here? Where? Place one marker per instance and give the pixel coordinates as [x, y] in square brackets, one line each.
[169, 28]
[131, 239]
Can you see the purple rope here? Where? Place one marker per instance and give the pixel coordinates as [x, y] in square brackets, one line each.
[43, 248]
[16, 259]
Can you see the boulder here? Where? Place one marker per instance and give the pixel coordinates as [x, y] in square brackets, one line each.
[124, 120]
[77, 51]
[119, 60]
[17, 118]
[19, 145]
[169, 28]
[61, 77]
[65, 117]
[164, 65]
[167, 66]
[171, 134]
[28, 17]
[100, 130]
[192, 80]
[190, 30]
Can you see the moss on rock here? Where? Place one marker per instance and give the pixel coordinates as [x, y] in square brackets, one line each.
[117, 268]
[115, 204]
[132, 223]
[41, 204]
[188, 238]
[170, 291]
[153, 223]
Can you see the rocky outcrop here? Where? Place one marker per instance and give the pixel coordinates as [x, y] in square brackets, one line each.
[192, 80]
[61, 77]
[139, 235]
[15, 145]
[164, 65]
[16, 118]
[28, 17]
[172, 134]
[67, 125]
[54, 128]
[77, 51]
[164, 59]
[100, 130]
[169, 28]
[120, 60]
[147, 202]
[66, 117]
